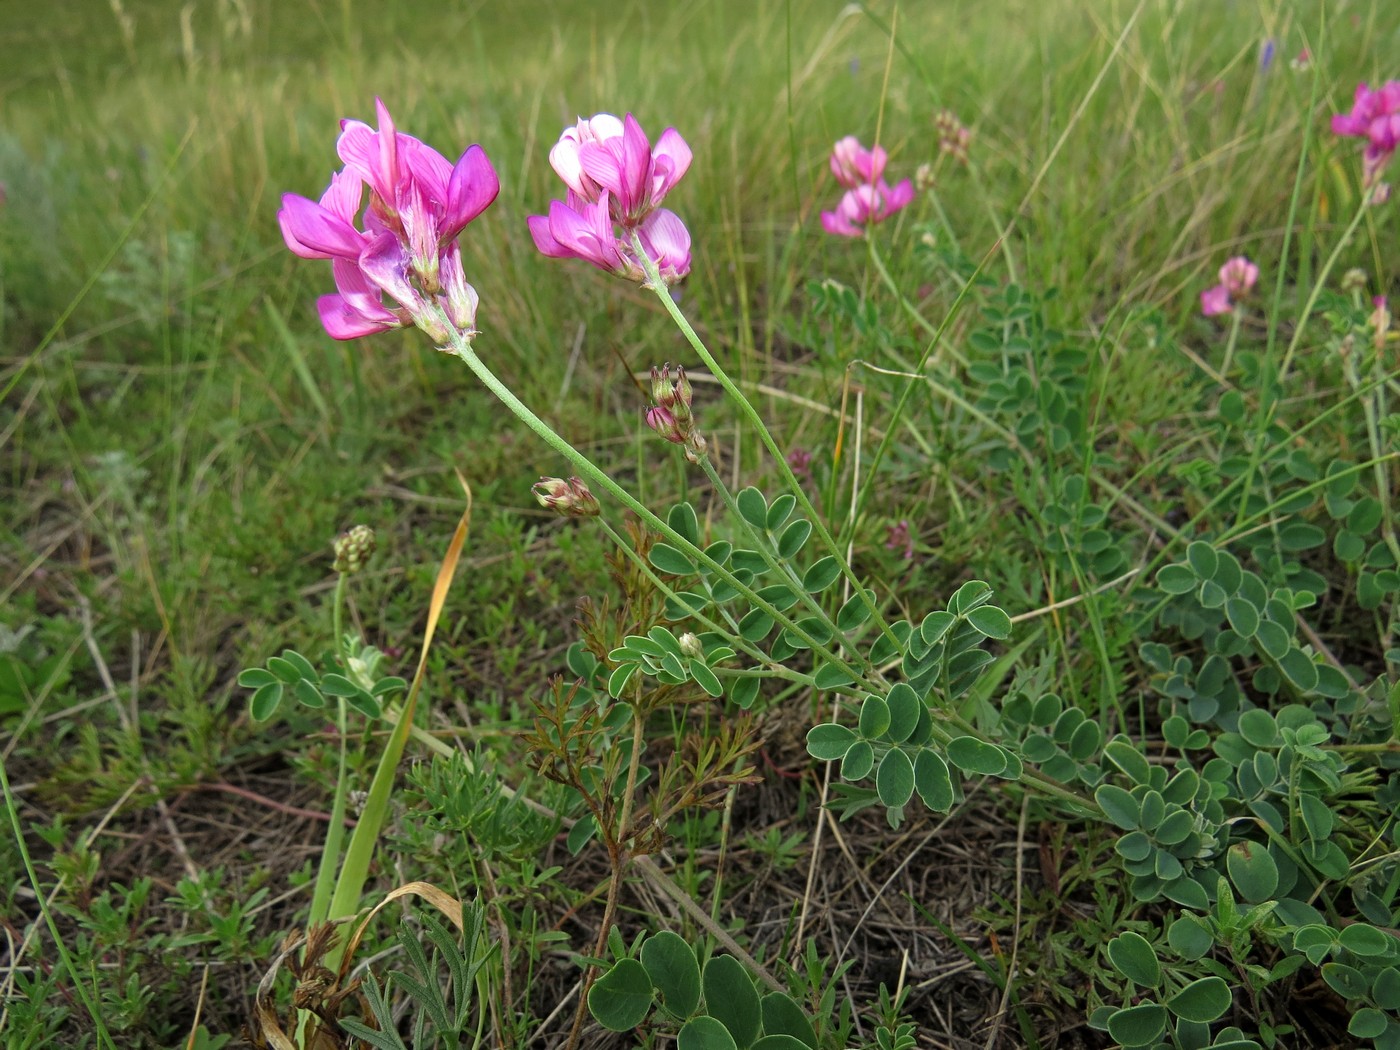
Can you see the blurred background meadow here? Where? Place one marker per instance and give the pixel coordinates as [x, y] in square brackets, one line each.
[180, 442]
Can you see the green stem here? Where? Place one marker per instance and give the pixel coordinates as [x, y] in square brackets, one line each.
[335, 834]
[782, 569]
[1317, 287]
[657, 285]
[771, 669]
[1230, 344]
[82, 989]
[585, 466]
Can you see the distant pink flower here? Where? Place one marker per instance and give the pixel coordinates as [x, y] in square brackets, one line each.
[800, 460]
[868, 198]
[616, 181]
[1374, 116]
[854, 165]
[900, 538]
[865, 206]
[407, 247]
[1237, 279]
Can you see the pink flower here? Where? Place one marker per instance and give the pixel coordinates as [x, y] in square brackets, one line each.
[1237, 280]
[407, 247]
[866, 205]
[1215, 301]
[1374, 116]
[854, 165]
[616, 179]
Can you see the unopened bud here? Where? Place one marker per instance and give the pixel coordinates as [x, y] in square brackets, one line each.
[1380, 323]
[1380, 194]
[661, 421]
[1354, 280]
[570, 498]
[353, 549]
[690, 646]
[923, 177]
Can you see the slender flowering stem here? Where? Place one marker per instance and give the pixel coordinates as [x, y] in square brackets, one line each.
[335, 834]
[1230, 344]
[657, 285]
[460, 347]
[1318, 285]
[909, 308]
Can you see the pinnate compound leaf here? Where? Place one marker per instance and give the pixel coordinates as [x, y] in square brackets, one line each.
[976, 756]
[671, 561]
[969, 596]
[1202, 1001]
[302, 664]
[894, 780]
[705, 678]
[859, 761]
[1133, 957]
[1346, 981]
[1119, 806]
[831, 676]
[779, 510]
[705, 1033]
[782, 1016]
[682, 518]
[753, 508]
[365, 703]
[619, 1000]
[256, 678]
[1176, 579]
[284, 669]
[904, 706]
[991, 621]
[1138, 1025]
[1363, 939]
[670, 963]
[821, 575]
[1202, 558]
[874, 717]
[338, 685]
[779, 1042]
[265, 701]
[933, 781]
[1367, 1023]
[794, 537]
[308, 695]
[731, 999]
[744, 691]
[828, 741]
[1252, 870]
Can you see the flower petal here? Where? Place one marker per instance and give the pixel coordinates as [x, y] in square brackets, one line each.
[1215, 300]
[315, 233]
[470, 190]
[670, 160]
[667, 242]
[342, 321]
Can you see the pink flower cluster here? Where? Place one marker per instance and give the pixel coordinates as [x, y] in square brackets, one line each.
[616, 180]
[868, 198]
[1237, 279]
[407, 249]
[1374, 116]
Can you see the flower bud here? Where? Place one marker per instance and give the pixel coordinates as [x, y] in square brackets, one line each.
[570, 498]
[661, 421]
[353, 549]
[923, 177]
[1380, 323]
[690, 646]
[1354, 280]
